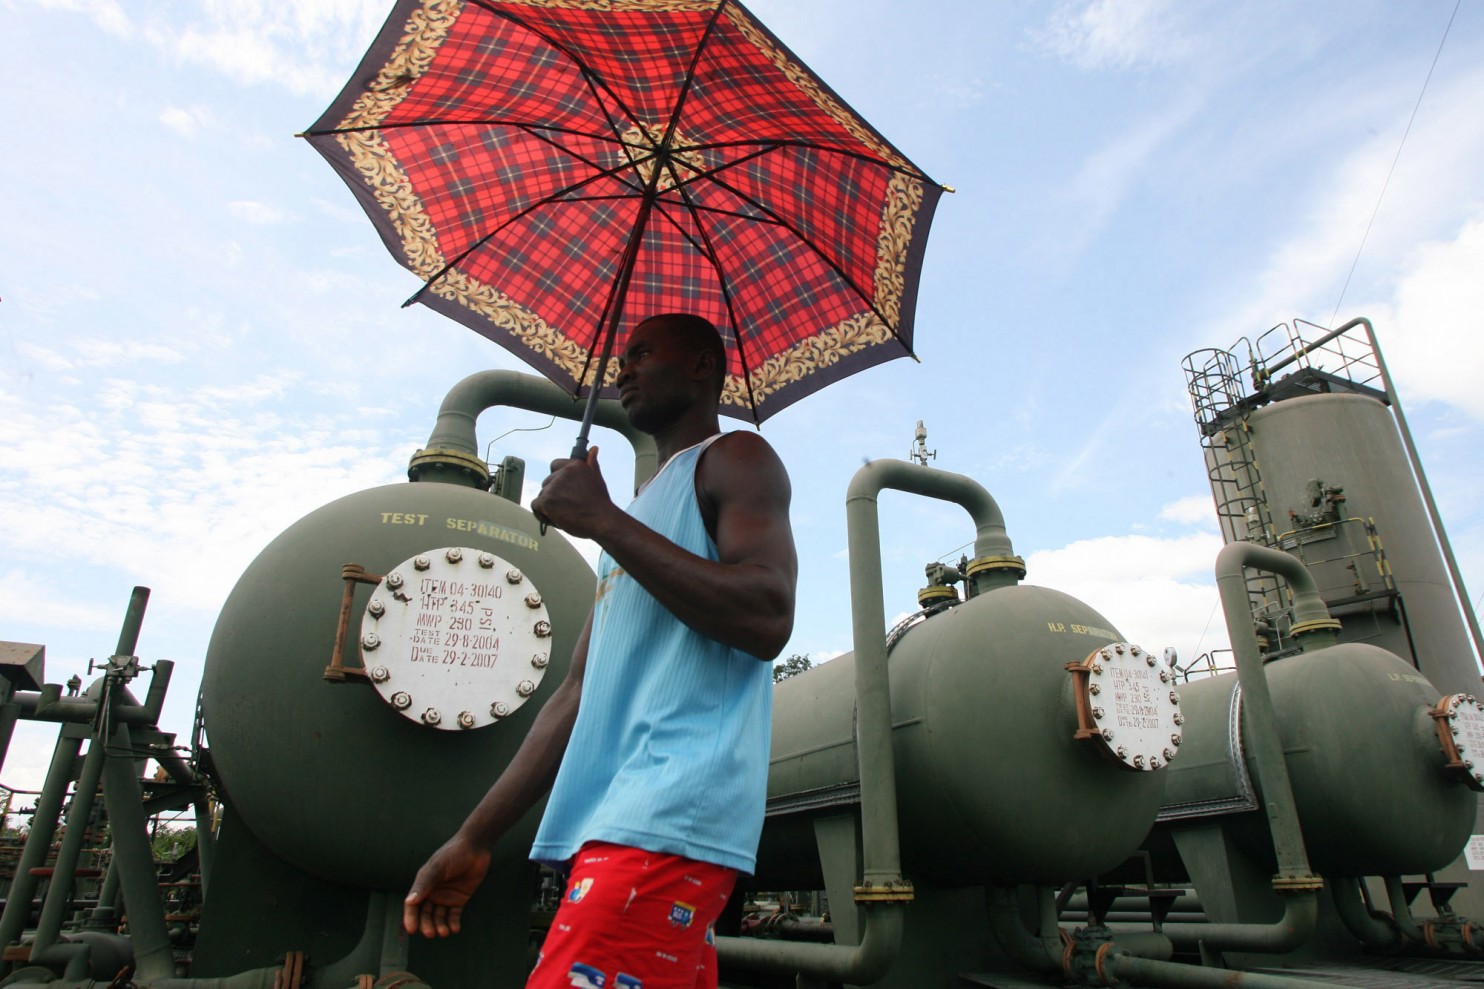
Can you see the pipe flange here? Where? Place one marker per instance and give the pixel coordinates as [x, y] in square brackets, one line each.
[984, 564]
[935, 594]
[1315, 625]
[897, 891]
[423, 459]
[1297, 884]
[1100, 959]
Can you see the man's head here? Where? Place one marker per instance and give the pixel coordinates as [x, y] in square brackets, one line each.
[670, 363]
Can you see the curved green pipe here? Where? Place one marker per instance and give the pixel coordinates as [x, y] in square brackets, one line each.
[454, 429]
[880, 843]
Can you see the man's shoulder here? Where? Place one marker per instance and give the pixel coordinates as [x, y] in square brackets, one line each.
[742, 464]
[745, 443]
[745, 449]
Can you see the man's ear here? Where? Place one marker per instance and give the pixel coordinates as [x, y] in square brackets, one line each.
[704, 366]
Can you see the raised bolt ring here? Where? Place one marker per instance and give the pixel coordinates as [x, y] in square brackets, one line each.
[376, 608]
[486, 560]
[533, 600]
[431, 716]
[543, 629]
[525, 688]
[454, 554]
[370, 641]
[394, 580]
[421, 562]
[380, 674]
[401, 700]
[514, 576]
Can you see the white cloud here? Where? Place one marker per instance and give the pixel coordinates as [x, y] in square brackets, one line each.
[957, 94]
[186, 121]
[47, 359]
[1115, 34]
[1439, 330]
[1308, 263]
[1190, 510]
[1109, 173]
[23, 596]
[108, 15]
[306, 47]
[256, 213]
[1158, 592]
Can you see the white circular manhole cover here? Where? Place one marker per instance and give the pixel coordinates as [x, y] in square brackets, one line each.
[455, 638]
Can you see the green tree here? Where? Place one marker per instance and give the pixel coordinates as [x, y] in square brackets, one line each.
[171, 843]
[792, 666]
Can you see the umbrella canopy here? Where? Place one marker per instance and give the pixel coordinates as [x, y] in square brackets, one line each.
[555, 171]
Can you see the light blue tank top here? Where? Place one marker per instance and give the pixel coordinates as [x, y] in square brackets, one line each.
[669, 752]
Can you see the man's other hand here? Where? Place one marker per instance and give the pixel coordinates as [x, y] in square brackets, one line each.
[442, 887]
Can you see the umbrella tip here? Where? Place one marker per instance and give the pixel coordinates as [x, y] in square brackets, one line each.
[949, 188]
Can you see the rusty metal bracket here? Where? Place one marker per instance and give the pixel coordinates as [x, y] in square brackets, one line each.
[337, 671]
[291, 975]
[1081, 672]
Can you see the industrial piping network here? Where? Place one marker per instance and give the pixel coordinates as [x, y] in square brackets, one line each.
[1143, 958]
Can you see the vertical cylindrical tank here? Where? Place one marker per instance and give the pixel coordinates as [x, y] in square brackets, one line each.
[1350, 441]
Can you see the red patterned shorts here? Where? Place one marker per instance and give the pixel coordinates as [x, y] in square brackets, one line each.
[632, 919]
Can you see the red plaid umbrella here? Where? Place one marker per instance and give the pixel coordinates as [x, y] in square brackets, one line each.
[557, 170]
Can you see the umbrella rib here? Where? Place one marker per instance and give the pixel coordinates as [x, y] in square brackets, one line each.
[592, 80]
[430, 122]
[690, 74]
[544, 201]
[710, 254]
[775, 145]
[823, 257]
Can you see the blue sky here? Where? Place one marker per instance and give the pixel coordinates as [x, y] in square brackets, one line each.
[201, 339]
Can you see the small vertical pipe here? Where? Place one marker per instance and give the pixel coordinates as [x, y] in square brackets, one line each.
[59, 892]
[9, 712]
[18, 900]
[205, 841]
[133, 619]
[105, 915]
[153, 956]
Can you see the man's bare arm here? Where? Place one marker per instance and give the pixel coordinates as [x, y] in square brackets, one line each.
[444, 884]
[746, 598]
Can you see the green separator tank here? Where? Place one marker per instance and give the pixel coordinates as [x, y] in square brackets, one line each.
[1369, 779]
[992, 786]
[333, 777]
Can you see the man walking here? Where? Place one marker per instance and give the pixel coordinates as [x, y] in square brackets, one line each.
[658, 738]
